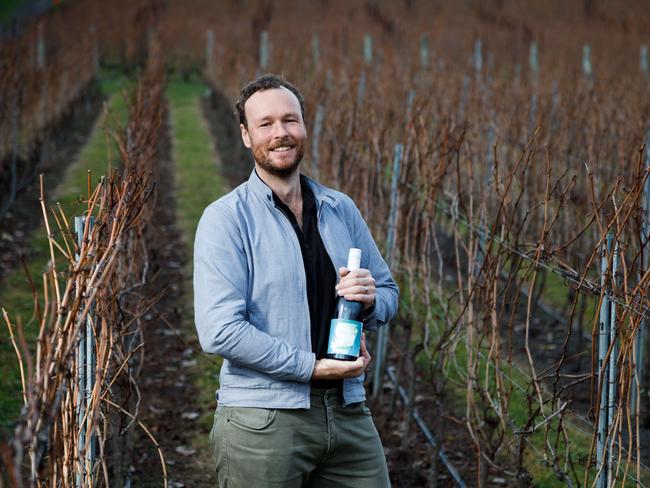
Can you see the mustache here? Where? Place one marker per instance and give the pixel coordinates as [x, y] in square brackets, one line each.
[285, 141]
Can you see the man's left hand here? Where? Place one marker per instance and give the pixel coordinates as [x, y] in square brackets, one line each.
[357, 286]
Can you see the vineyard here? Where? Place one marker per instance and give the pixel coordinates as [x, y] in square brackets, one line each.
[497, 151]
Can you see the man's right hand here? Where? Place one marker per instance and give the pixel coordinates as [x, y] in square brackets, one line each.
[333, 369]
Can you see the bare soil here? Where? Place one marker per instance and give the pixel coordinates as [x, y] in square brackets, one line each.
[167, 408]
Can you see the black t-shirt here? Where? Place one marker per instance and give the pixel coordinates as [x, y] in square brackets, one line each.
[319, 272]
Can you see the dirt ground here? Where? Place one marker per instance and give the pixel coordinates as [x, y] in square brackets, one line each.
[171, 349]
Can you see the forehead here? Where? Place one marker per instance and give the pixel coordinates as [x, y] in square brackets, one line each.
[274, 102]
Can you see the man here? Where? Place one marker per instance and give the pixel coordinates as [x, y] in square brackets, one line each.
[265, 262]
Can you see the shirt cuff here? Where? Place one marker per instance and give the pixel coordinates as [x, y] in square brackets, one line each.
[368, 317]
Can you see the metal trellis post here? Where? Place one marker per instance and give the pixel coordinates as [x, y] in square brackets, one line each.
[382, 333]
[639, 346]
[586, 61]
[361, 89]
[533, 61]
[478, 58]
[85, 380]
[40, 47]
[424, 52]
[264, 50]
[209, 48]
[603, 378]
[315, 145]
[611, 393]
[367, 49]
[409, 105]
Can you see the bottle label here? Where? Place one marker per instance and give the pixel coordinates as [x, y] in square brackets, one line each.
[345, 337]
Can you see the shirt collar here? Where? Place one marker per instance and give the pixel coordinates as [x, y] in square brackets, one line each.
[321, 193]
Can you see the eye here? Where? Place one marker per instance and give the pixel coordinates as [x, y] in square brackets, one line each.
[265, 124]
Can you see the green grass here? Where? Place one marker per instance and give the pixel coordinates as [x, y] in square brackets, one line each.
[15, 292]
[198, 183]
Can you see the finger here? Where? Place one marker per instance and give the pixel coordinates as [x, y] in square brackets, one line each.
[343, 271]
[364, 349]
[356, 281]
[357, 273]
[356, 290]
[368, 357]
[357, 367]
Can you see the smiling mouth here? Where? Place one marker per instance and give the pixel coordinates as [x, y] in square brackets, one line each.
[282, 149]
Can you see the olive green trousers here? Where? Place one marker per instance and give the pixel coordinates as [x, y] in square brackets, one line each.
[327, 445]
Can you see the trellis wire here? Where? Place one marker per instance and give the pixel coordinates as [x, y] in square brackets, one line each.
[584, 284]
[607, 337]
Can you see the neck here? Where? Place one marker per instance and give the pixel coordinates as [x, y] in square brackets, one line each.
[286, 188]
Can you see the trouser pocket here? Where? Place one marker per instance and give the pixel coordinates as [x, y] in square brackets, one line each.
[250, 418]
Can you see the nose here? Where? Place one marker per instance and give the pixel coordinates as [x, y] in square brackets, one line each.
[279, 130]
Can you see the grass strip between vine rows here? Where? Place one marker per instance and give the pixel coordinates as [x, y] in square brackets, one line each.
[198, 183]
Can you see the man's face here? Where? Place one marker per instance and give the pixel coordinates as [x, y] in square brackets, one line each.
[276, 132]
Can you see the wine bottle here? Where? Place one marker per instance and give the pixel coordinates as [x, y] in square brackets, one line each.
[346, 326]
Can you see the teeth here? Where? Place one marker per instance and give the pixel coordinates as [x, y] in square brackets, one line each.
[282, 149]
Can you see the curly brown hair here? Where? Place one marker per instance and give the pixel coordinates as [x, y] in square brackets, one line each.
[261, 83]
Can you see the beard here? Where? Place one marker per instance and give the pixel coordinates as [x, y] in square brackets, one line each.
[262, 155]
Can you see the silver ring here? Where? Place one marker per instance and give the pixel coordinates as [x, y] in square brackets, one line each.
[365, 289]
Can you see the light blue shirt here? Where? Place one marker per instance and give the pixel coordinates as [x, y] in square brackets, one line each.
[250, 298]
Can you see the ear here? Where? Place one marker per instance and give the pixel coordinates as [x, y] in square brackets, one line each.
[245, 136]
